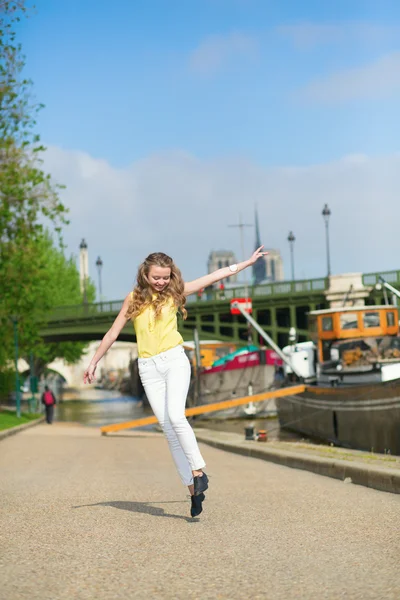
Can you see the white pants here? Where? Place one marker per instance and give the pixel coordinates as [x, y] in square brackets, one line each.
[166, 379]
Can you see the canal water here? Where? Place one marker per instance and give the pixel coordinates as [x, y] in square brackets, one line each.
[95, 408]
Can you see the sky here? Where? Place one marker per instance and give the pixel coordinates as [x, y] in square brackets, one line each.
[167, 120]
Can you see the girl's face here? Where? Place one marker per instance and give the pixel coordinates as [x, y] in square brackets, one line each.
[159, 277]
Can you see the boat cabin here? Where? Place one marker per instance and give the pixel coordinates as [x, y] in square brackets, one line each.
[351, 323]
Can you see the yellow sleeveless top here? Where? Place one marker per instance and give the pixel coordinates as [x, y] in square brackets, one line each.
[155, 336]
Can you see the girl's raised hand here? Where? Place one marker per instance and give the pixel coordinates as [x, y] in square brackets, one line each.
[257, 254]
[89, 375]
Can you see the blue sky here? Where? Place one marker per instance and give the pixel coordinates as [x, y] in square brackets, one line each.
[118, 80]
[280, 92]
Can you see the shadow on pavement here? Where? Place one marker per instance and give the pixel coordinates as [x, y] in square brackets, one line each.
[143, 507]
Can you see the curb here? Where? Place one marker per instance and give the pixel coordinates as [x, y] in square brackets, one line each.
[13, 430]
[384, 480]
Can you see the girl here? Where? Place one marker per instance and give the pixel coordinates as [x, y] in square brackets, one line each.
[163, 365]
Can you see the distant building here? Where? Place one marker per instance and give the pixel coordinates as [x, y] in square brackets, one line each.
[274, 265]
[270, 268]
[219, 259]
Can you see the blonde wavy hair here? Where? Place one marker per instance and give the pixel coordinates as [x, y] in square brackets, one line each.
[142, 295]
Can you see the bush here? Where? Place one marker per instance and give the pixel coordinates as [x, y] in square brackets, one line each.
[7, 382]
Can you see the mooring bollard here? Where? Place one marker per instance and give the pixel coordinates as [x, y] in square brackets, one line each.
[262, 435]
[249, 432]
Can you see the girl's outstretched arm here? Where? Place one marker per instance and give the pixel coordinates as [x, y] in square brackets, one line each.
[191, 287]
[107, 341]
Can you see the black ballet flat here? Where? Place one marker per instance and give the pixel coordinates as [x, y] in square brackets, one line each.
[200, 484]
[197, 507]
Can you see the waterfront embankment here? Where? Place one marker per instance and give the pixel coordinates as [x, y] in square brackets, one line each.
[378, 471]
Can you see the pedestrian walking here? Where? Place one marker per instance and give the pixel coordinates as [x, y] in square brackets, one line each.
[164, 368]
[49, 400]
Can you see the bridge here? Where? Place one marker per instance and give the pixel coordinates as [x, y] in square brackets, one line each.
[276, 307]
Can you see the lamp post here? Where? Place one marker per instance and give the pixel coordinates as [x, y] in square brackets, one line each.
[326, 213]
[99, 264]
[17, 384]
[291, 240]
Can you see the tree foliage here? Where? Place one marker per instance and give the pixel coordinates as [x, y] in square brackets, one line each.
[26, 192]
[34, 273]
[60, 287]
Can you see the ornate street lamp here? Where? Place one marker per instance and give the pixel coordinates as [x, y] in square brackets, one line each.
[291, 240]
[99, 265]
[326, 213]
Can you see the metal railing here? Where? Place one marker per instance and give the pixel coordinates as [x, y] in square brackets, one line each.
[269, 290]
[81, 311]
[373, 278]
[281, 288]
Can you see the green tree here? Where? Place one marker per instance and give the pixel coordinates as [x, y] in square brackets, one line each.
[31, 265]
[60, 286]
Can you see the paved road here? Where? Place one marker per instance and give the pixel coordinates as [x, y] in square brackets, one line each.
[89, 517]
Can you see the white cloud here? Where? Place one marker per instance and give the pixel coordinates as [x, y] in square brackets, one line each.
[306, 35]
[378, 79]
[182, 205]
[217, 51]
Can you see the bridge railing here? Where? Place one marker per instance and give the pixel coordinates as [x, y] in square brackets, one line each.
[79, 311]
[272, 290]
[392, 277]
[280, 288]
